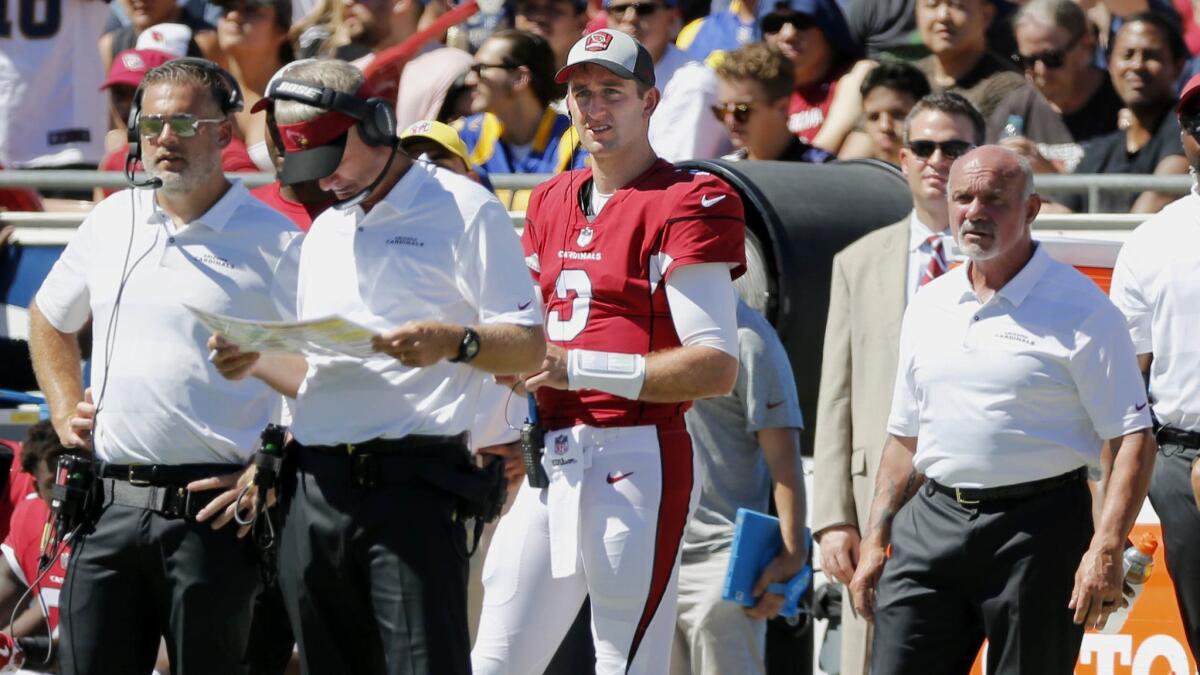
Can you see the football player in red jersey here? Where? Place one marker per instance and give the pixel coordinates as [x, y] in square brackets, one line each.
[634, 259]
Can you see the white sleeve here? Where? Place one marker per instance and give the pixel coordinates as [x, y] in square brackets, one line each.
[491, 270]
[1128, 293]
[704, 306]
[64, 297]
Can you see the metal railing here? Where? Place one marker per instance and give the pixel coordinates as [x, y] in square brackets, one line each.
[1091, 184]
[85, 180]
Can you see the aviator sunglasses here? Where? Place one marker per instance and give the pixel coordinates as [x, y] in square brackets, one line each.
[183, 125]
[740, 111]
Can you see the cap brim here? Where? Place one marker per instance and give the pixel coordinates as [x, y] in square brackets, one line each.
[312, 164]
[130, 81]
[1187, 99]
[613, 66]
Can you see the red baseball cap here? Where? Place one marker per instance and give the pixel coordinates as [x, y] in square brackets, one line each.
[130, 66]
[1190, 91]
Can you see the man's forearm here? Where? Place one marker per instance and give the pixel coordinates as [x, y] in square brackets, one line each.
[56, 362]
[282, 372]
[896, 483]
[688, 373]
[1126, 487]
[781, 449]
[509, 349]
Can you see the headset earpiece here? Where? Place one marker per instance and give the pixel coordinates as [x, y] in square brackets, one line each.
[378, 126]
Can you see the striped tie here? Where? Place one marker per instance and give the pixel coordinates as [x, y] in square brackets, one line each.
[937, 259]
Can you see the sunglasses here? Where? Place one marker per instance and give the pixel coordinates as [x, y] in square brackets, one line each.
[183, 125]
[740, 111]
[950, 149]
[478, 68]
[639, 8]
[774, 22]
[1051, 58]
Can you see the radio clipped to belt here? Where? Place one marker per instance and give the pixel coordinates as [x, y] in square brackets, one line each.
[533, 446]
[268, 467]
[72, 499]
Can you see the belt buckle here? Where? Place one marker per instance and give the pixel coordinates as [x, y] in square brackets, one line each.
[134, 481]
[959, 498]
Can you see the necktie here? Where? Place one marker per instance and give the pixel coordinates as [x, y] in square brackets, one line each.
[937, 259]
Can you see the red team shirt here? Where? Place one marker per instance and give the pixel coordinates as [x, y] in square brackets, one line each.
[300, 214]
[603, 281]
[20, 485]
[809, 105]
[23, 546]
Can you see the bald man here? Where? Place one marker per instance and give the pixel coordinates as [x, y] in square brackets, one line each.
[1014, 369]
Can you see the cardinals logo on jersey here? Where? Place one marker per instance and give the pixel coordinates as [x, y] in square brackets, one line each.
[585, 237]
[597, 42]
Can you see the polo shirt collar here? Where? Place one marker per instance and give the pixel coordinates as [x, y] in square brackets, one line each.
[400, 197]
[217, 216]
[1017, 288]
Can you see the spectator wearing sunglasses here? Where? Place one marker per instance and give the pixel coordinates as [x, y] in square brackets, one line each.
[681, 127]
[755, 84]
[127, 72]
[813, 36]
[1147, 58]
[1072, 100]
[514, 127]
[955, 31]
[862, 335]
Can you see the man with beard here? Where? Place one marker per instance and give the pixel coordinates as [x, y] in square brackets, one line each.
[861, 334]
[1013, 372]
[161, 416]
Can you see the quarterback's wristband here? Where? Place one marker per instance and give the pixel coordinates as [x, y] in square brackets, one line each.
[617, 374]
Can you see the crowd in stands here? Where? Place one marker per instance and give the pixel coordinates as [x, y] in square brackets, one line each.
[1075, 86]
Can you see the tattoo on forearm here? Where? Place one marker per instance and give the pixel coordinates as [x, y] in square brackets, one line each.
[890, 496]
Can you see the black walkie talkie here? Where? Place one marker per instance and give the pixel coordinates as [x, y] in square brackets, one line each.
[533, 446]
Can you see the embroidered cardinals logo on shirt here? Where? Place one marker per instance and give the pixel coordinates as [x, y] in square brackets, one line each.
[585, 237]
[597, 42]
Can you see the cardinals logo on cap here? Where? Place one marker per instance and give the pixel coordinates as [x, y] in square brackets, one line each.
[597, 42]
[133, 63]
[298, 139]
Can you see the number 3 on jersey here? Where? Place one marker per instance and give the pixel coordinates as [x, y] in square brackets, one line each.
[565, 330]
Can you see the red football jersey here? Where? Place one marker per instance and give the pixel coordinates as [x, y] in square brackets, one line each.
[300, 214]
[602, 281]
[23, 547]
[809, 105]
[20, 485]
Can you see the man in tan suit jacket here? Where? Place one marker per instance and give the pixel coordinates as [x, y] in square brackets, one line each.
[873, 279]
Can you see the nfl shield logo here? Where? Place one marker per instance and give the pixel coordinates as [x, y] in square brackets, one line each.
[597, 41]
[585, 237]
[560, 444]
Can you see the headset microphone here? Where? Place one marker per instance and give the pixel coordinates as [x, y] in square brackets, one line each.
[152, 183]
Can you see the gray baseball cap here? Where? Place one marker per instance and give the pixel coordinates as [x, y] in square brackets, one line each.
[614, 50]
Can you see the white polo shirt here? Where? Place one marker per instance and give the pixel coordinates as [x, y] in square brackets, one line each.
[164, 403]
[439, 247]
[1022, 387]
[1156, 285]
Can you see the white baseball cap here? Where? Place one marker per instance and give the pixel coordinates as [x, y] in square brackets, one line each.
[172, 38]
[614, 50]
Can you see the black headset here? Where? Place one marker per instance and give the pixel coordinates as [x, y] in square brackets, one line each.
[375, 116]
[228, 96]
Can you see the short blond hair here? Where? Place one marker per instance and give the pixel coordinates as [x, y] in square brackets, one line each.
[760, 63]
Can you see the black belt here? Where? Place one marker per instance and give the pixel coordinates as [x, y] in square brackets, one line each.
[382, 461]
[164, 475]
[971, 496]
[1173, 436]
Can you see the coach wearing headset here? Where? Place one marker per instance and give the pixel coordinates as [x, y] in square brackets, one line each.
[373, 563]
[162, 423]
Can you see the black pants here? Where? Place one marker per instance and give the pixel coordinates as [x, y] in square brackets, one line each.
[374, 579]
[139, 576]
[1171, 497]
[1000, 570]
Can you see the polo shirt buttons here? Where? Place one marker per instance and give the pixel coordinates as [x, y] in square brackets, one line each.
[170, 240]
[360, 229]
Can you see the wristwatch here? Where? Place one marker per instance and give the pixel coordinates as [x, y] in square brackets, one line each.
[468, 348]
